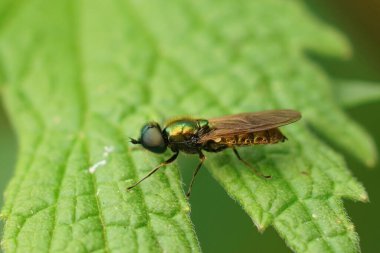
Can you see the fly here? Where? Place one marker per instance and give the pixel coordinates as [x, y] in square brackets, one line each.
[193, 136]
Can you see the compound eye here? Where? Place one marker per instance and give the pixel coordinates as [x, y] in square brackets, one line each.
[151, 138]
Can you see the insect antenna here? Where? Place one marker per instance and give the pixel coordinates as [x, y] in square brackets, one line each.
[134, 141]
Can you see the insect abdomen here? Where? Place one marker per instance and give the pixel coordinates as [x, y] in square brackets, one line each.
[270, 136]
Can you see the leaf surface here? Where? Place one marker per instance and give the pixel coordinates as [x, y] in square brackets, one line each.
[356, 92]
[85, 75]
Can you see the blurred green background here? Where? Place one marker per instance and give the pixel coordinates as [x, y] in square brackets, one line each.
[225, 227]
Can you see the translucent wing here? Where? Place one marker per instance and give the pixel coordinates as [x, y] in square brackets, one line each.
[248, 122]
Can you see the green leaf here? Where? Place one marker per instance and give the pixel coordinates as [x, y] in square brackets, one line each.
[355, 92]
[80, 77]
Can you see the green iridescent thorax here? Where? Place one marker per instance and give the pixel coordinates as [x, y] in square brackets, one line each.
[181, 134]
[184, 127]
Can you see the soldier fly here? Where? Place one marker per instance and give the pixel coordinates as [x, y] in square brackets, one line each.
[193, 136]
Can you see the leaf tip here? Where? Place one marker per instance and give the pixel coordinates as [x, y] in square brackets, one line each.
[262, 224]
[186, 208]
[261, 228]
[371, 161]
[364, 197]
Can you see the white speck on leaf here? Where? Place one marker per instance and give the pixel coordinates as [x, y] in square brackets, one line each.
[108, 150]
[94, 167]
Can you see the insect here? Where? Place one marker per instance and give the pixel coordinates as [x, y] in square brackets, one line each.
[193, 136]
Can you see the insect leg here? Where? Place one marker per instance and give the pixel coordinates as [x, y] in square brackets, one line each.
[202, 159]
[248, 164]
[170, 160]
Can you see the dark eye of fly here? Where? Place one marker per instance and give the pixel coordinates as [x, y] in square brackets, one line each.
[152, 139]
